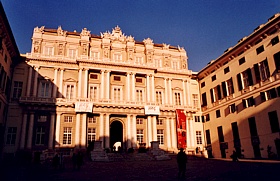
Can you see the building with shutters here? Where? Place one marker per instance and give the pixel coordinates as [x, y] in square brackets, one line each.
[76, 87]
[9, 56]
[240, 94]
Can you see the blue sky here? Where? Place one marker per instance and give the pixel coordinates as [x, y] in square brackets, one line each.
[205, 28]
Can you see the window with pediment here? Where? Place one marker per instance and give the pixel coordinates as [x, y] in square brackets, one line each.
[93, 91]
[70, 90]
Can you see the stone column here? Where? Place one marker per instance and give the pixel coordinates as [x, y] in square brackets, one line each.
[29, 81]
[102, 85]
[51, 133]
[191, 133]
[77, 130]
[168, 140]
[128, 131]
[54, 92]
[133, 131]
[173, 134]
[165, 92]
[84, 131]
[188, 93]
[107, 131]
[30, 131]
[170, 92]
[86, 84]
[80, 83]
[154, 122]
[108, 85]
[153, 88]
[184, 93]
[60, 89]
[57, 130]
[127, 86]
[148, 87]
[149, 130]
[101, 129]
[35, 88]
[133, 86]
[23, 131]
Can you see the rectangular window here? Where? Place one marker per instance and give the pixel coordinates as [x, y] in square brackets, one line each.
[248, 102]
[159, 122]
[45, 89]
[220, 134]
[139, 121]
[11, 136]
[218, 113]
[159, 97]
[208, 138]
[160, 137]
[158, 63]
[207, 117]
[175, 65]
[117, 93]
[226, 70]
[273, 120]
[117, 78]
[48, 51]
[68, 119]
[42, 118]
[67, 136]
[93, 76]
[241, 60]
[69, 91]
[260, 49]
[204, 99]
[93, 92]
[197, 119]
[195, 100]
[91, 135]
[139, 80]
[275, 40]
[91, 119]
[40, 135]
[213, 78]
[178, 98]
[235, 131]
[253, 126]
[244, 79]
[94, 55]
[17, 89]
[72, 53]
[139, 95]
[232, 108]
[138, 60]
[198, 137]
[264, 70]
[276, 57]
[140, 135]
[202, 84]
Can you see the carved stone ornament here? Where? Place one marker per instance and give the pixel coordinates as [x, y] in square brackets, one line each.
[61, 32]
[181, 49]
[36, 47]
[39, 30]
[105, 35]
[130, 38]
[165, 46]
[117, 34]
[148, 41]
[85, 32]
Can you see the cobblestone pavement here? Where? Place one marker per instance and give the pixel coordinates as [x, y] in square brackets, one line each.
[198, 169]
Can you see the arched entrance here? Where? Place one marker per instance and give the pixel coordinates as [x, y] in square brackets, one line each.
[116, 134]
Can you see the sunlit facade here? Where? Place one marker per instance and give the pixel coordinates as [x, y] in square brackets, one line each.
[240, 95]
[74, 88]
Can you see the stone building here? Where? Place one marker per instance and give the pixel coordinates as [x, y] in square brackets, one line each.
[9, 56]
[74, 88]
[240, 93]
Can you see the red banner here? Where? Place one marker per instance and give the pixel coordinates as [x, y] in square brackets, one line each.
[181, 128]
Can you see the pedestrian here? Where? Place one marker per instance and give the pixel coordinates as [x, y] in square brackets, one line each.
[61, 161]
[74, 161]
[55, 161]
[79, 160]
[182, 161]
[234, 156]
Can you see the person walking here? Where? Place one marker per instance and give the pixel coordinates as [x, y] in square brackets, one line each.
[182, 161]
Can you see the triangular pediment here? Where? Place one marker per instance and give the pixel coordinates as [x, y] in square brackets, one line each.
[70, 80]
[159, 87]
[177, 88]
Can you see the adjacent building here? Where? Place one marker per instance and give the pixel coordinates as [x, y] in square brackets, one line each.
[9, 56]
[74, 88]
[240, 94]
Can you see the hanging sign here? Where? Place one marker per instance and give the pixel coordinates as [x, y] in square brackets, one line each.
[181, 128]
[83, 106]
[152, 110]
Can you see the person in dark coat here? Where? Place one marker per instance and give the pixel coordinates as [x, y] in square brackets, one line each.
[55, 161]
[182, 161]
[79, 160]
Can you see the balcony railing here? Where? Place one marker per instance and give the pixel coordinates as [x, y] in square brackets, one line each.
[103, 102]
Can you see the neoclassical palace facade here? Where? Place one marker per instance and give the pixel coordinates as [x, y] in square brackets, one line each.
[74, 88]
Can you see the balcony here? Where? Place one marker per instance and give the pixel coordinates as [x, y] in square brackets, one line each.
[37, 100]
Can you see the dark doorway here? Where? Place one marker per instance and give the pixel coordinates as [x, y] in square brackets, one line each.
[116, 134]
